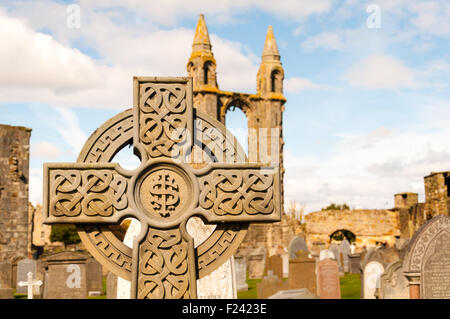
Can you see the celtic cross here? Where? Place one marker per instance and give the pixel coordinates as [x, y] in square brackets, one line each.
[163, 192]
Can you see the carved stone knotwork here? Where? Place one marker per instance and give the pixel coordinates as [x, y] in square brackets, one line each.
[162, 193]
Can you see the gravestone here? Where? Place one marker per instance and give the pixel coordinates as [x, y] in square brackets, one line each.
[371, 277]
[335, 249]
[25, 266]
[94, 277]
[394, 284]
[328, 284]
[427, 260]
[275, 264]
[256, 263]
[326, 254]
[111, 286]
[302, 293]
[302, 272]
[270, 285]
[345, 251]
[167, 189]
[240, 267]
[285, 259]
[5, 274]
[297, 244]
[30, 284]
[6, 293]
[354, 263]
[66, 276]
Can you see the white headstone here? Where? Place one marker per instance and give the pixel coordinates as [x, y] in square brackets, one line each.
[372, 275]
[326, 254]
[30, 283]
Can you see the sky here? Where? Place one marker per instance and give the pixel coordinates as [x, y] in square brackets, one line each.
[366, 82]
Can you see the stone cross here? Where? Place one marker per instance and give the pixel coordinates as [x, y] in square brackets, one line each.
[30, 283]
[163, 192]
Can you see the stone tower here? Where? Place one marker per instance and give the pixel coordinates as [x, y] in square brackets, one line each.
[14, 167]
[437, 194]
[263, 110]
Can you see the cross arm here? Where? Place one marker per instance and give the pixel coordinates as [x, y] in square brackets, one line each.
[78, 193]
[239, 192]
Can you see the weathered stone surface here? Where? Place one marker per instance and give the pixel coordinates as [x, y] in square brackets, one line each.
[298, 244]
[270, 285]
[240, 267]
[302, 273]
[275, 265]
[427, 260]
[94, 277]
[111, 286]
[294, 294]
[394, 284]
[369, 226]
[437, 194]
[14, 176]
[257, 263]
[371, 278]
[5, 274]
[6, 293]
[163, 193]
[326, 254]
[23, 267]
[345, 251]
[354, 263]
[328, 285]
[66, 276]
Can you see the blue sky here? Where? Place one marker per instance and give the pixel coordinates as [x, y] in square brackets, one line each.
[367, 112]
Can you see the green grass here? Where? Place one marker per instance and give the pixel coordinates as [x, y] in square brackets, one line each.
[350, 286]
[251, 293]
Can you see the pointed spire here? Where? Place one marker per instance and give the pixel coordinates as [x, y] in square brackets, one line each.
[270, 51]
[201, 38]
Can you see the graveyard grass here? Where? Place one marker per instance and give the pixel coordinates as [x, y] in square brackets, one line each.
[350, 287]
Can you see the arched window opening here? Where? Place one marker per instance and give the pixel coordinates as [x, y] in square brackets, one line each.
[236, 122]
[274, 78]
[341, 234]
[206, 72]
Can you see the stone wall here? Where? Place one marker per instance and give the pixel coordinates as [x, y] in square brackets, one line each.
[271, 236]
[14, 172]
[369, 226]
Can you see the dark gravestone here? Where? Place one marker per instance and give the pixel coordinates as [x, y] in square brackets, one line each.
[336, 250]
[5, 274]
[354, 261]
[297, 244]
[427, 260]
[66, 276]
[345, 251]
[94, 277]
[23, 267]
[328, 285]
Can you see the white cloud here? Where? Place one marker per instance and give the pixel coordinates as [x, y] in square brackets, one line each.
[326, 40]
[296, 85]
[35, 60]
[45, 149]
[381, 72]
[366, 170]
